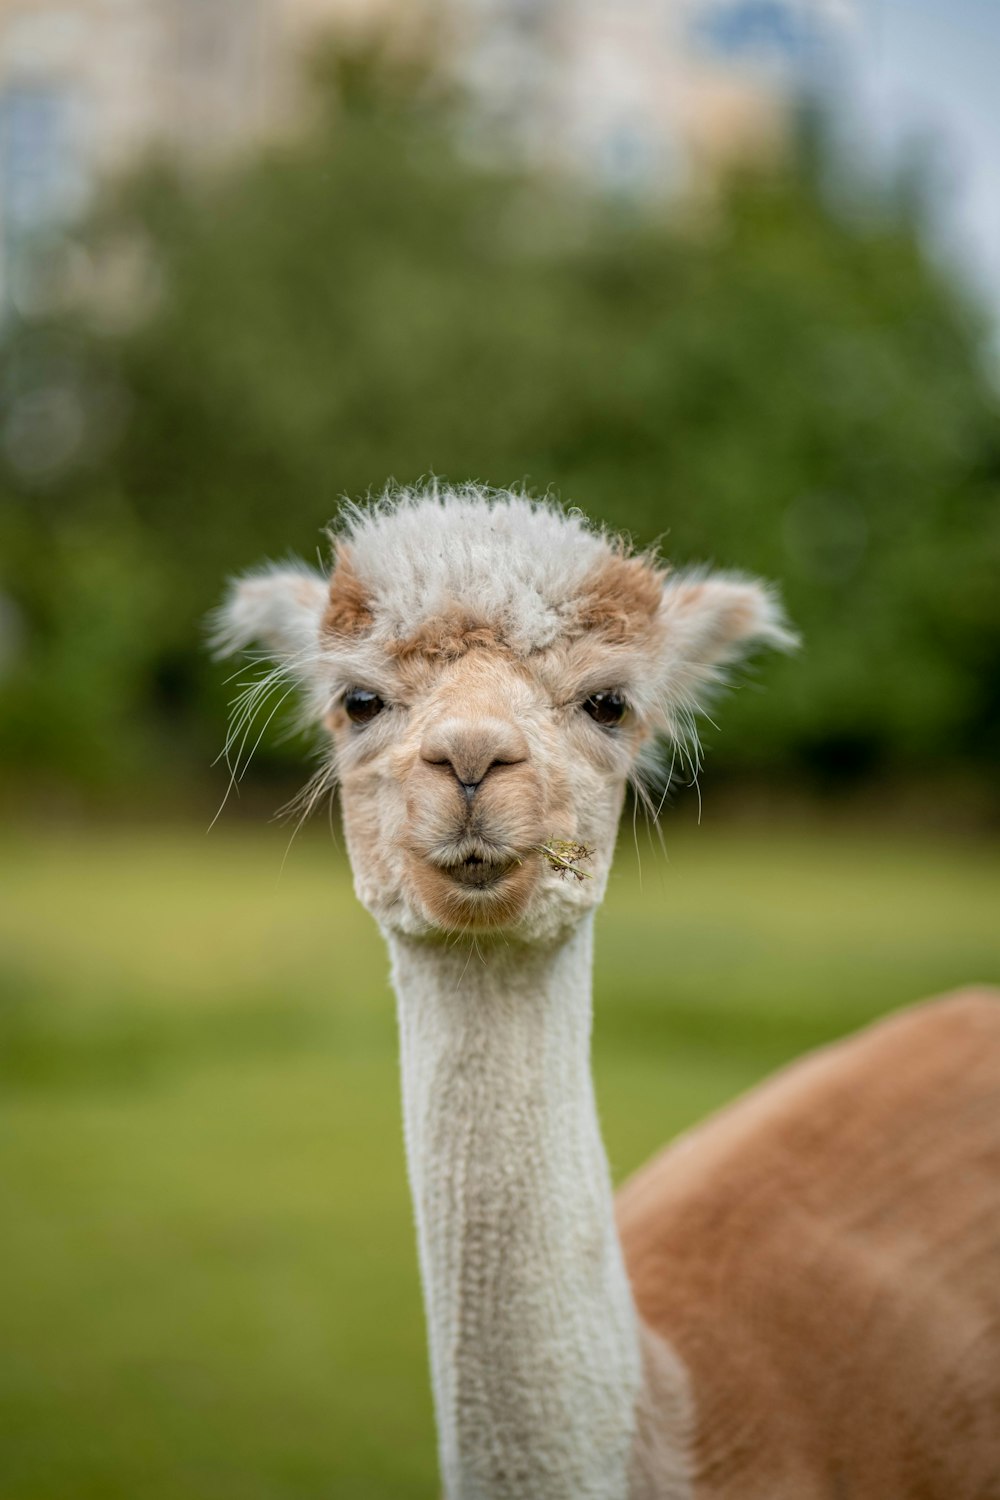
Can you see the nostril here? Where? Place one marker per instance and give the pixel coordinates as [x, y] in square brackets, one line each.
[469, 783]
[473, 751]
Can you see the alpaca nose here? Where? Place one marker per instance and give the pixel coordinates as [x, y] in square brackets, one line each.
[471, 749]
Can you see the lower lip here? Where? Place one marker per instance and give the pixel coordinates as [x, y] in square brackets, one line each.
[476, 876]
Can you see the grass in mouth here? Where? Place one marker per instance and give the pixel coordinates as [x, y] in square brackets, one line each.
[563, 856]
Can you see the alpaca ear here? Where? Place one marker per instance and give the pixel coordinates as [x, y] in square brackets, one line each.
[713, 620]
[280, 608]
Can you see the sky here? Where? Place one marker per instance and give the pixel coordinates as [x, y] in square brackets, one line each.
[929, 71]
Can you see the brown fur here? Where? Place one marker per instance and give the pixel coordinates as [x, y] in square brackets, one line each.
[658, 1465]
[348, 610]
[621, 600]
[447, 637]
[824, 1256]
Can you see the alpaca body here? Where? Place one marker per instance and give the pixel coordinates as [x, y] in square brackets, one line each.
[824, 1259]
[802, 1302]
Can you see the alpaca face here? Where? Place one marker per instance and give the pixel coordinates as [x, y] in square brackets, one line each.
[469, 771]
[491, 671]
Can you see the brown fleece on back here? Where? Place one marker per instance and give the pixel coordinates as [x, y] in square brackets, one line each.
[824, 1257]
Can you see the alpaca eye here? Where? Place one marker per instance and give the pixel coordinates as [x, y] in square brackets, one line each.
[607, 708]
[361, 706]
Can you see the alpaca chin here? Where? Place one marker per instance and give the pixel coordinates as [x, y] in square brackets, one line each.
[470, 897]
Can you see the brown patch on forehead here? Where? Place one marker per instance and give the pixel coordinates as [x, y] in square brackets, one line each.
[620, 599]
[446, 638]
[348, 609]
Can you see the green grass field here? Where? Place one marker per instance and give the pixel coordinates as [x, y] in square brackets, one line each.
[208, 1275]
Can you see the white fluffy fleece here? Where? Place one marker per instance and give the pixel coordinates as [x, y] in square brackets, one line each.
[516, 562]
[534, 1340]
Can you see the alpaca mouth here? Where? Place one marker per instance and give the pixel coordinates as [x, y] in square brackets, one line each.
[478, 873]
[475, 864]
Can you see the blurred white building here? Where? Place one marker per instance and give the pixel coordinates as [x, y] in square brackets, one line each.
[86, 86]
[638, 92]
[651, 93]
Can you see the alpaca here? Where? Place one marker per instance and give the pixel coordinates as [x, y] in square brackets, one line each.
[800, 1298]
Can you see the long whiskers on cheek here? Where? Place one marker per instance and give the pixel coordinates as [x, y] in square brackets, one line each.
[322, 783]
[247, 706]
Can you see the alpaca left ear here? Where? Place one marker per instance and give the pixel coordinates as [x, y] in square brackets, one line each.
[714, 620]
[281, 608]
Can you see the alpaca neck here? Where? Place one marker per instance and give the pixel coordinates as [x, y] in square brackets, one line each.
[535, 1357]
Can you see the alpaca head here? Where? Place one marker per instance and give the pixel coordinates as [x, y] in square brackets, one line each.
[491, 671]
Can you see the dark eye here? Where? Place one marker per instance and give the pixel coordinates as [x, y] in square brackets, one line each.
[607, 708]
[361, 706]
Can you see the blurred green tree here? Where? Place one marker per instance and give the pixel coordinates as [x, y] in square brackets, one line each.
[778, 378]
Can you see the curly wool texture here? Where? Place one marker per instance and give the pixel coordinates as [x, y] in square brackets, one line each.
[518, 563]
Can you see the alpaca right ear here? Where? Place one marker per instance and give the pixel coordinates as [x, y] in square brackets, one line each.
[281, 608]
[714, 620]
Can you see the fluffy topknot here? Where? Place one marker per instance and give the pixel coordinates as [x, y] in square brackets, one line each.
[416, 555]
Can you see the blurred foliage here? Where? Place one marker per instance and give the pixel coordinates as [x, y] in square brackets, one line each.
[775, 378]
